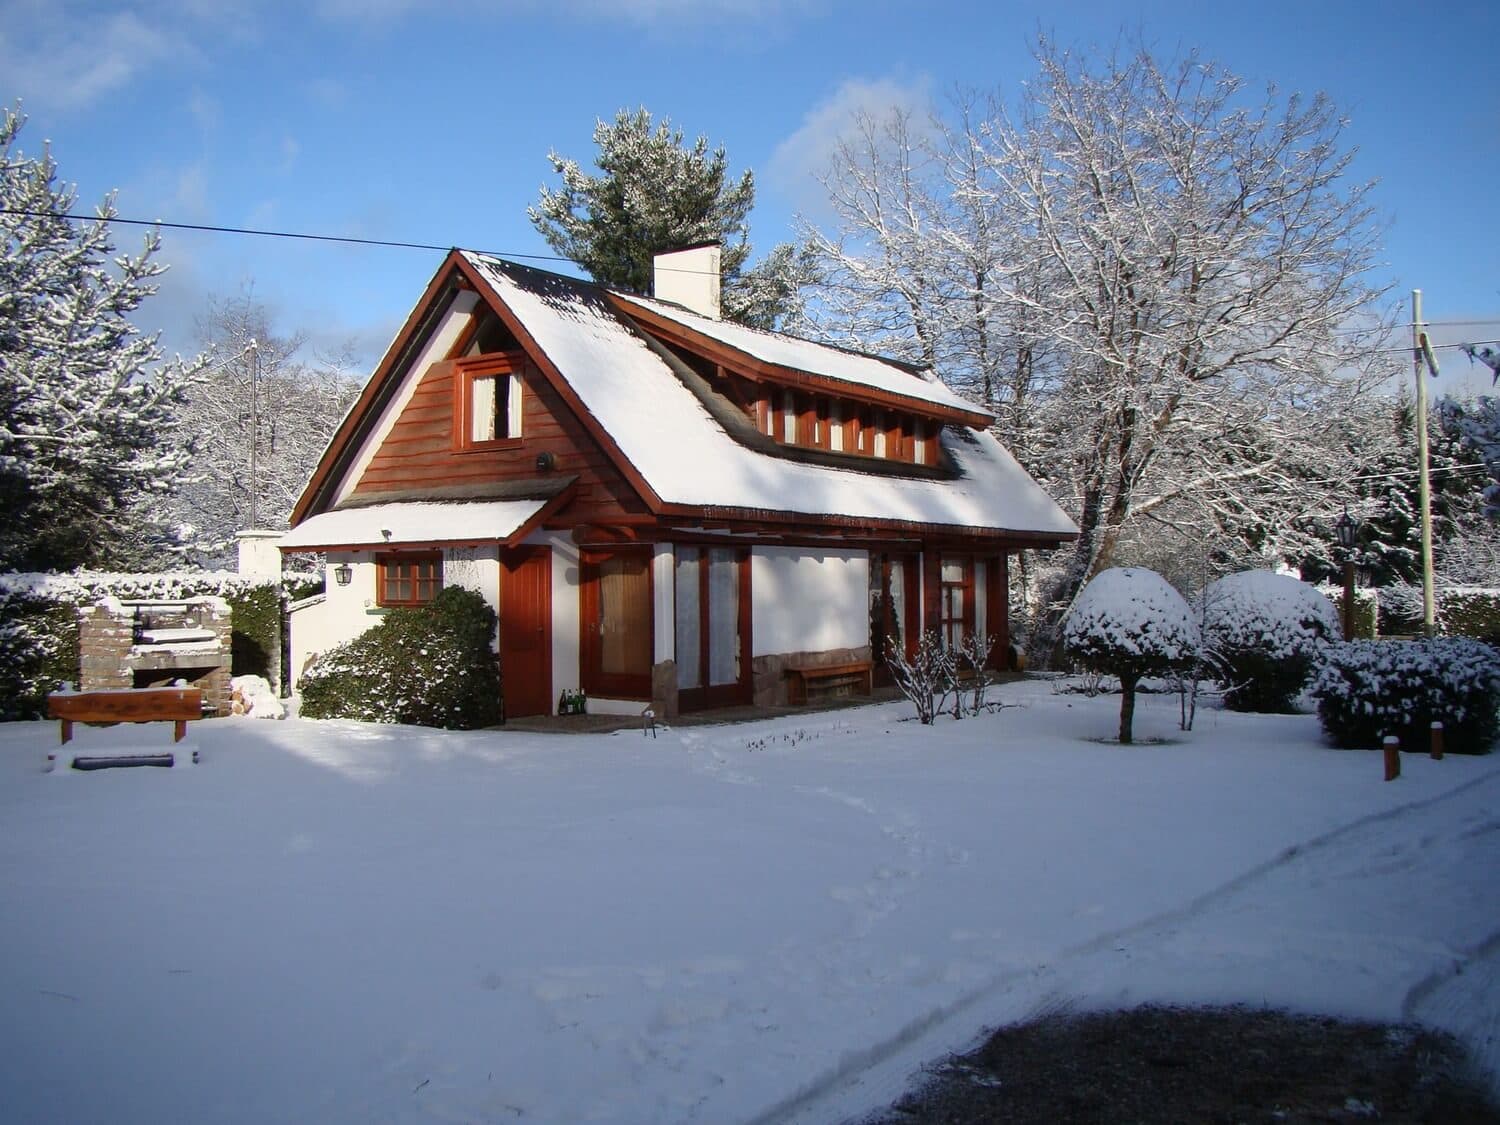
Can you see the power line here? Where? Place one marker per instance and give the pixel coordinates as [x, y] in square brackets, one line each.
[212, 229]
[303, 235]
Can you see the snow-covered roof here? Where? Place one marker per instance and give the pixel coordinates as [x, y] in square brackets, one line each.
[413, 522]
[815, 359]
[686, 457]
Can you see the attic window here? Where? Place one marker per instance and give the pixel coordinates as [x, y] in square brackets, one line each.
[489, 393]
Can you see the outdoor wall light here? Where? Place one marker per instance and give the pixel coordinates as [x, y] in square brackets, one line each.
[545, 462]
[343, 574]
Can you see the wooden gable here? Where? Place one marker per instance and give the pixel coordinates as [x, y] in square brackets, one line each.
[425, 451]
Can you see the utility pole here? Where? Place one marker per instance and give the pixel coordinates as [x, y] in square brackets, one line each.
[255, 437]
[1422, 359]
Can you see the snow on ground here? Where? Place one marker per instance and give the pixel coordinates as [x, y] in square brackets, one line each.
[766, 922]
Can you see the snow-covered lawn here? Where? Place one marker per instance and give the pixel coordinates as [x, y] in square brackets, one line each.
[779, 921]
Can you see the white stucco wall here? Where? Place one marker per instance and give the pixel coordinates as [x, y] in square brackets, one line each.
[564, 610]
[347, 611]
[805, 600]
[344, 613]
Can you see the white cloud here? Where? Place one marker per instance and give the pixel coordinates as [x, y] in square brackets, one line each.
[71, 55]
[795, 167]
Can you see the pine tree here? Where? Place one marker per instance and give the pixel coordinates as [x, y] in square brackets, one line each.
[655, 195]
[88, 415]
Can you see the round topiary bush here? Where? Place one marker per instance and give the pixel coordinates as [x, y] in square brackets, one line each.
[1130, 623]
[1369, 689]
[1265, 633]
[430, 665]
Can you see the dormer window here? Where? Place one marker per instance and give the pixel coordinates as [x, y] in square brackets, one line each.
[488, 411]
[844, 426]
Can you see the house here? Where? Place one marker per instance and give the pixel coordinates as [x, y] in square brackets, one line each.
[661, 506]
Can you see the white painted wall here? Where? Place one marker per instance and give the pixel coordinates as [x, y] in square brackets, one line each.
[347, 611]
[805, 600]
[477, 569]
[565, 607]
[344, 613]
[664, 602]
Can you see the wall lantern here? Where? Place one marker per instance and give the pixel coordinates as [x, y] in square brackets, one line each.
[343, 574]
[545, 462]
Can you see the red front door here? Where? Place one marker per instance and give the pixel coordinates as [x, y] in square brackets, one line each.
[526, 631]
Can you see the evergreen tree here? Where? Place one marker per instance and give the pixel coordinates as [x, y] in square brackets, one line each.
[655, 195]
[88, 417]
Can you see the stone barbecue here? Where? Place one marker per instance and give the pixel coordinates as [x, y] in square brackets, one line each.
[135, 644]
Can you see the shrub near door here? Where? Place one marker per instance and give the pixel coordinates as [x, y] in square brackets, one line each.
[431, 665]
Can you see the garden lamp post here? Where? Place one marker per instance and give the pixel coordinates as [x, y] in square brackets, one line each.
[1347, 530]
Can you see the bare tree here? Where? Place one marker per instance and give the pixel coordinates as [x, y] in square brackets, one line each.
[1173, 281]
[261, 417]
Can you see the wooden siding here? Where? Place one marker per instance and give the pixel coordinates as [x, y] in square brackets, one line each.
[420, 449]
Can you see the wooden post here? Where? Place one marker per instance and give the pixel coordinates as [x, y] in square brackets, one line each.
[1437, 741]
[1348, 601]
[1392, 757]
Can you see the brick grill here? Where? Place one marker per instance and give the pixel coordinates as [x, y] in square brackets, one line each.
[131, 644]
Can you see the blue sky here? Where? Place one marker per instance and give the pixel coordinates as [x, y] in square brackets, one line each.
[431, 123]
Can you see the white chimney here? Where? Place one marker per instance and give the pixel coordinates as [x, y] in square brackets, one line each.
[690, 278]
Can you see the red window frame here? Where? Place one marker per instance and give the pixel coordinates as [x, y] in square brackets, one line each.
[503, 367]
[409, 578]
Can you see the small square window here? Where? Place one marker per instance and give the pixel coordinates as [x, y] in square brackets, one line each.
[488, 402]
[408, 579]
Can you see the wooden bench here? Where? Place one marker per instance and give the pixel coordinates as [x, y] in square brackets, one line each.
[127, 705]
[828, 679]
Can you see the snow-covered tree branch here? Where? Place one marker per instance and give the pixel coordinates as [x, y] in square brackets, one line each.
[89, 415]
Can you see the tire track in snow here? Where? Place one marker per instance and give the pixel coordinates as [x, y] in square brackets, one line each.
[859, 1061]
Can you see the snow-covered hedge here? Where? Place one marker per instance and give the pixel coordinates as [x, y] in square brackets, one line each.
[429, 665]
[1461, 611]
[1265, 632]
[1129, 622]
[1369, 689]
[39, 623]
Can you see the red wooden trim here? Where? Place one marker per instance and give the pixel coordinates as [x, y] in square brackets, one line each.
[758, 369]
[593, 680]
[807, 418]
[465, 371]
[466, 336]
[414, 559]
[560, 385]
[997, 609]
[544, 513]
[354, 421]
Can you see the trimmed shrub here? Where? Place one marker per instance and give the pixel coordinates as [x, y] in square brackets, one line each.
[1369, 689]
[1471, 611]
[1265, 633]
[430, 665]
[1130, 623]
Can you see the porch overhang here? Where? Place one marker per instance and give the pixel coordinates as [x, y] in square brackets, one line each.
[416, 523]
